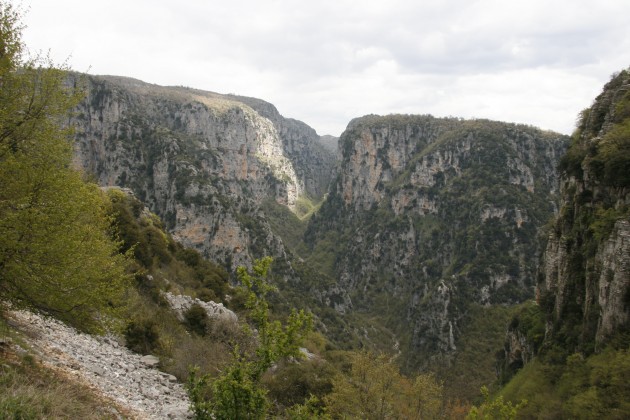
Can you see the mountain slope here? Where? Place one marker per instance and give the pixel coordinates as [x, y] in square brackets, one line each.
[570, 351]
[427, 216]
[204, 162]
[423, 217]
[585, 284]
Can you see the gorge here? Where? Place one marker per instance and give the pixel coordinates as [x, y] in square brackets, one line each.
[422, 216]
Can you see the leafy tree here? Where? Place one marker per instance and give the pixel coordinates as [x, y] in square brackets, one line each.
[496, 409]
[312, 409]
[374, 389]
[237, 392]
[55, 252]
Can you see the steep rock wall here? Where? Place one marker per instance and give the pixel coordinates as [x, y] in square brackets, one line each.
[204, 162]
[584, 284]
[427, 215]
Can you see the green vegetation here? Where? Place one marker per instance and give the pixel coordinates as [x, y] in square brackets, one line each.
[285, 224]
[495, 409]
[161, 264]
[237, 392]
[473, 225]
[55, 252]
[581, 388]
[607, 158]
[156, 253]
[374, 389]
[28, 390]
[471, 367]
[596, 168]
[305, 207]
[578, 374]
[70, 250]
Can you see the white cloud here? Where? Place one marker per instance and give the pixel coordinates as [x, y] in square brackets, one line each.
[537, 62]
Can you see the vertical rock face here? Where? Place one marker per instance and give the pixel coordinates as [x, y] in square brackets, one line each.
[585, 279]
[427, 215]
[202, 161]
[614, 282]
[309, 153]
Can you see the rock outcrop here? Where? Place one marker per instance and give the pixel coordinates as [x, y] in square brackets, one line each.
[181, 303]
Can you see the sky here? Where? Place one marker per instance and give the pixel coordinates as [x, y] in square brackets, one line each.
[536, 62]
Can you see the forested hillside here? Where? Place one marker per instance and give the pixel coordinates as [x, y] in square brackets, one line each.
[429, 216]
[574, 344]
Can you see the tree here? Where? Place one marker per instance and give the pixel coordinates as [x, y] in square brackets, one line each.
[374, 389]
[496, 409]
[237, 392]
[55, 252]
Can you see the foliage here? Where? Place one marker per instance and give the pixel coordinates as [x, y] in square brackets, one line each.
[596, 170]
[275, 340]
[55, 253]
[581, 386]
[496, 409]
[605, 219]
[237, 392]
[374, 389]
[142, 234]
[197, 320]
[291, 384]
[601, 143]
[142, 336]
[483, 332]
[474, 219]
[285, 224]
[312, 409]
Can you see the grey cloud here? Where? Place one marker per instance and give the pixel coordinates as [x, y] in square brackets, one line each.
[328, 61]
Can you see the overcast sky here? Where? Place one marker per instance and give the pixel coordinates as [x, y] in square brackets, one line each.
[537, 62]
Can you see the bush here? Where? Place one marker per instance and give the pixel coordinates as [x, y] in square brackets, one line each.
[142, 336]
[294, 383]
[197, 320]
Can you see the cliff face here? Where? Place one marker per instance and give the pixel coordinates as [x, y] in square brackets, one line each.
[584, 286]
[204, 162]
[429, 215]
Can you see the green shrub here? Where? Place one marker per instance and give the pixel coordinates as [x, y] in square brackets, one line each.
[142, 336]
[197, 319]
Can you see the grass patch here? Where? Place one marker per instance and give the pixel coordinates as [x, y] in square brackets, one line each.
[305, 207]
[285, 224]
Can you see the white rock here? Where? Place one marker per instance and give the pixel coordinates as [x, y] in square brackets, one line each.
[150, 360]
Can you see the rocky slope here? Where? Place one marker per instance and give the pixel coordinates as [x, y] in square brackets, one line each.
[584, 286]
[427, 216]
[107, 368]
[204, 162]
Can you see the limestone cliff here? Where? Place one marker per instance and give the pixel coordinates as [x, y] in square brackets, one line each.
[584, 286]
[202, 161]
[428, 215]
